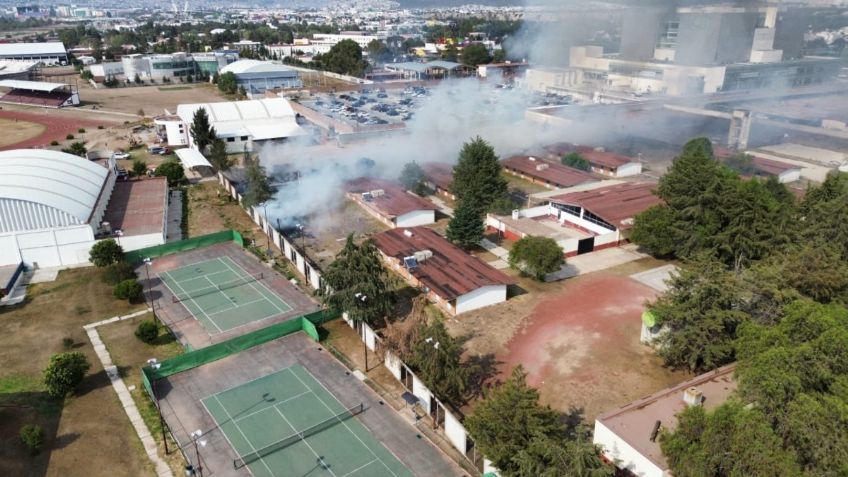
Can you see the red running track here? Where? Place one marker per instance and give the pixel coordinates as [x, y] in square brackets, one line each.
[57, 127]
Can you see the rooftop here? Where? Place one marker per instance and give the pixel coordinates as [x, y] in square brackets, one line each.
[138, 207]
[543, 226]
[772, 167]
[255, 66]
[553, 173]
[439, 173]
[634, 422]
[616, 204]
[450, 272]
[44, 48]
[393, 202]
[260, 118]
[602, 158]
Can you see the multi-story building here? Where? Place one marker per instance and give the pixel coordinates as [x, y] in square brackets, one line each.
[159, 67]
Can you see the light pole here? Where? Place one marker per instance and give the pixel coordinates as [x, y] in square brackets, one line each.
[198, 467]
[150, 303]
[361, 297]
[154, 364]
[435, 343]
[266, 227]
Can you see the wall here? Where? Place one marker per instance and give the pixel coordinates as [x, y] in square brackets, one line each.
[631, 169]
[48, 248]
[617, 450]
[483, 296]
[135, 242]
[416, 218]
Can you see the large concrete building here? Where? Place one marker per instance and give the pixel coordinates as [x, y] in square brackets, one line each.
[164, 66]
[49, 53]
[260, 76]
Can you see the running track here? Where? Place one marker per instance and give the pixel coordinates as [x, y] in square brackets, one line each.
[57, 127]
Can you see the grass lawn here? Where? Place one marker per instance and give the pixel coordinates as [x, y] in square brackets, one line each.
[174, 88]
[87, 434]
[17, 131]
[129, 354]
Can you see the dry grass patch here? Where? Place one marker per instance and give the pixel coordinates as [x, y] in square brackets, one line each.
[17, 131]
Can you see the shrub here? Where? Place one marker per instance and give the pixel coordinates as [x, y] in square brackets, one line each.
[81, 130]
[105, 253]
[99, 126]
[69, 137]
[129, 290]
[147, 331]
[64, 373]
[536, 256]
[54, 143]
[32, 436]
[67, 342]
[118, 272]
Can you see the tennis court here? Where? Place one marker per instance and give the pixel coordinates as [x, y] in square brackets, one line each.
[222, 295]
[288, 424]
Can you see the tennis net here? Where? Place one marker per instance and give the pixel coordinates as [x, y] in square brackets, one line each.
[298, 436]
[178, 297]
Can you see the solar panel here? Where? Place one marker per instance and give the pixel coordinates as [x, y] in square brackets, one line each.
[410, 262]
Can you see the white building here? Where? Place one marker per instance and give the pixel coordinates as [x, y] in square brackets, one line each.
[628, 435]
[360, 38]
[53, 204]
[453, 279]
[240, 124]
[260, 76]
[389, 203]
[49, 53]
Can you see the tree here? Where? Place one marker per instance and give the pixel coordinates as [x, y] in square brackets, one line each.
[345, 57]
[450, 53]
[550, 457]
[139, 168]
[356, 283]
[173, 171]
[575, 160]
[475, 54]
[700, 312]
[378, 51]
[76, 148]
[650, 231]
[411, 176]
[130, 290]
[536, 256]
[105, 252]
[118, 272]
[227, 83]
[477, 175]
[258, 190]
[32, 436]
[499, 55]
[437, 359]
[201, 130]
[466, 228]
[218, 156]
[742, 163]
[147, 331]
[729, 441]
[64, 373]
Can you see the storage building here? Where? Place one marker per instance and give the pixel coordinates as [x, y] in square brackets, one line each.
[389, 203]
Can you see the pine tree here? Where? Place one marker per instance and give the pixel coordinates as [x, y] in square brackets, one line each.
[218, 156]
[466, 227]
[258, 190]
[477, 176]
[201, 130]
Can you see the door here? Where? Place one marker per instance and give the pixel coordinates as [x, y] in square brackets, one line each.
[585, 245]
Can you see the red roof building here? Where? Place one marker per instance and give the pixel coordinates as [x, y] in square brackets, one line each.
[613, 207]
[550, 174]
[453, 279]
[389, 203]
[439, 177]
[602, 162]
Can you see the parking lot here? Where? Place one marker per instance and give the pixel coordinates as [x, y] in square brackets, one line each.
[370, 106]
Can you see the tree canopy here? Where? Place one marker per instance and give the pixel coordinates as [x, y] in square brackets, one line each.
[173, 171]
[258, 190]
[411, 177]
[536, 256]
[575, 160]
[477, 175]
[345, 57]
[218, 156]
[475, 54]
[466, 227]
[201, 130]
[227, 83]
[105, 252]
[437, 358]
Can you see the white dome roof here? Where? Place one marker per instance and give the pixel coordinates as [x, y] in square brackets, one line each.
[41, 188]
[254, 66]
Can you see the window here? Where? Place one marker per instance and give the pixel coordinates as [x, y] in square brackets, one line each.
[244, 138]
[231, 139]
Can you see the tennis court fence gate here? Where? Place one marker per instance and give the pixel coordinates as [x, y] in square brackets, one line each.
[444, 421]
[309, 270]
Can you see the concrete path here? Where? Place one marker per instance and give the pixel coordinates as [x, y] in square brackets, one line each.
[175, 216]
[443, 207]
[162, 469]
[499, 251]
[596, 261]
[656, 278]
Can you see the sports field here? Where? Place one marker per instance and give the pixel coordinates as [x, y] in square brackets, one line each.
[222, 295]
[288, 424]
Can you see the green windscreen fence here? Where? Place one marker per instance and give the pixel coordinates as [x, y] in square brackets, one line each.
[169, 248]
[193, 359]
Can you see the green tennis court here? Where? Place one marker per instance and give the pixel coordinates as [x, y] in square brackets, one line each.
[222, 295]
[288, 424]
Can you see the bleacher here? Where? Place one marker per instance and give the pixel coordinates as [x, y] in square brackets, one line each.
[50, 99]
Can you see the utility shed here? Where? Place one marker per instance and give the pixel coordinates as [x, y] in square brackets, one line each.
[453, 279]
[389, 203]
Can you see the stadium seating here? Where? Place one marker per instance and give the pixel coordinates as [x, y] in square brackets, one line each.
[52, 99]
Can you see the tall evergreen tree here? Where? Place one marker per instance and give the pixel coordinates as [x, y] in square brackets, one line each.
[258, 190]
[466, 228]
[201, 130]
[218, 156]
[437, 358]
[477, 176]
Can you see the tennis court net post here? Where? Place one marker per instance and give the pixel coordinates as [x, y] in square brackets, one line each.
[246, 459]
[178, 297]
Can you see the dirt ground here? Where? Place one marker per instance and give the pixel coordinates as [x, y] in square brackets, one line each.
[89, 434]
[578, 339]
[326, 237]
[51, 126]
[212, 210]
[18, 131]
[153, 100]
[129, 354]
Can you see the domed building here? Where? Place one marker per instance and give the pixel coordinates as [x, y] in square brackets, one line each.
[259, 76]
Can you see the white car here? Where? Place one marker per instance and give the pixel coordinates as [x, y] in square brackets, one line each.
[117, 155]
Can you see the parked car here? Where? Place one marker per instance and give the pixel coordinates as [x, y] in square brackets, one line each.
[119, 154]
[159, 150]
[122, 174]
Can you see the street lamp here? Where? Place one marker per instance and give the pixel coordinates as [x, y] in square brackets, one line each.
[265, 227]
[361, 298]
[300, 228]
[150, 303]
[155, 364]
[195, 436]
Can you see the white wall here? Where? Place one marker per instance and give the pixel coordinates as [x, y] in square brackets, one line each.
[483, 296]
[630, 169]
[626, 457]
[416, 218]
[791, 175]
[583, 223]
[135, 242]
[48, 248]
[177, 133]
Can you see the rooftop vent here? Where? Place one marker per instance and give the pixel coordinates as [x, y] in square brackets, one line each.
[542, 167]
[407, 233]
[367, 197]
[516, 214]
[531, 158]
[693, 396]
[378, 193]
[422, 255]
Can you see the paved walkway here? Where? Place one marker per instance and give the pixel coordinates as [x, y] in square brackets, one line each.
[442, 206]
[162, 469]
[175, 216]
[502, 261]
[596, 261]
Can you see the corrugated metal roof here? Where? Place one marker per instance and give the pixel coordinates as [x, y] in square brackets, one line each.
[191, 157]
[236, 118]
[555, 174]
[27, 49]
[69, 184]
[617, 204]
[31, 85]
[256, 66]
[394, 202]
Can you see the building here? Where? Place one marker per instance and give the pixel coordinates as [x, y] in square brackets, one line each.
[361, 38]
[553, 80]
[40, 93]
[552, 175]
[602, 162]
[245, 45]
[137, 213]
[49, 53]
[169, 66]
[260, 76]
[505, 72]
[785, 172]
[240, 124]
[453, 279]
[53, 207]
[437, 69]
[584, 219]
[628, 435]
[17, 70]
[438, 176]
[389, 203]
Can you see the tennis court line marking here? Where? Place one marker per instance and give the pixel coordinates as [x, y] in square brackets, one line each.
[242, 434]
[239, 306]
[343, 422]
[177, 284]
[273, 405]
[236, 386]
[320, 459]
[252, 284]
[204, 276]
[360, 468]
[235, 305]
